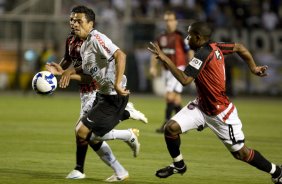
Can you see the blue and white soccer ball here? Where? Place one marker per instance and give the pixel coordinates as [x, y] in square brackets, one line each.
[44, 83]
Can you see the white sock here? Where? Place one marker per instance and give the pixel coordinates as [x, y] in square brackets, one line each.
[106, 154]
[118, 168]
[124, 135]
[273, 168]
[178, 158]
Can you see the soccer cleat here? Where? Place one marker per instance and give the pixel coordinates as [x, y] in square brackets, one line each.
[75, 174]
[133, 141]
[135, 114]
[278, 180]
[170, 170]
[116, 178]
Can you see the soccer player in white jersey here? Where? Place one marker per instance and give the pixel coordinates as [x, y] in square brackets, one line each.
[105, 63]
[88, 87]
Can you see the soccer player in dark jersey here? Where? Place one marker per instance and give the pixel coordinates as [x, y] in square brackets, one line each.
[172, 44]
[212, 108]
[72, 58]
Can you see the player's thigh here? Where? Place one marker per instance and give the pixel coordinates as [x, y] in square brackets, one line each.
[87, 100]
[173, 85]
[82, 131]
[105, 114]
[229, 130]
[173, 97]
[178, 99]
[189, 117]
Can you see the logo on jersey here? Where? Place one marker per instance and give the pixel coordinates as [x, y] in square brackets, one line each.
[196, 63]
[102, 43]
[218, 55]
[76, 62]
[168, 51]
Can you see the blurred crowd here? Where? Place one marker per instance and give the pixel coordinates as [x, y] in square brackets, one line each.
[222, 13]
[133, 28]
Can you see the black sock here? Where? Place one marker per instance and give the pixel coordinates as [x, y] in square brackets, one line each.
[260, 162]
[169, 110]
[80, 157]
[125, 115]
[180, 164]
[173, 145]
[177, 108]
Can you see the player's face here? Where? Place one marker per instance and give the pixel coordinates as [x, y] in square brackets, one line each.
[72, 22]
[193, 39]
[171, 22]
[81, 26]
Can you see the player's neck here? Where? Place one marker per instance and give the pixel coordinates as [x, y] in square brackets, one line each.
[172, 30]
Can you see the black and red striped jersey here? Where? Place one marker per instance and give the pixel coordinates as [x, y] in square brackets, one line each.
[208, 69]
[172, 44]
[72, 55]
[72, 50]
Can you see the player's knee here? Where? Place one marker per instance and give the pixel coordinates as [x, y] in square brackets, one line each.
[81, 141]
[82, 138]
[242, 154]
[172, 128]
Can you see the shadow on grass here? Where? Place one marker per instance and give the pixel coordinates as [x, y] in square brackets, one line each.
[25, 174]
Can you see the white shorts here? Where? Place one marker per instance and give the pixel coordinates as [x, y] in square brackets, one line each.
[87, 100]
[171, 83]
[226, 125]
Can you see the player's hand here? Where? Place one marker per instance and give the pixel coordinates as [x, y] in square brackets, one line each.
[156, 50]
[54, 68]
[260, 70]
[121, 91]
[153, 71]
[65, 79]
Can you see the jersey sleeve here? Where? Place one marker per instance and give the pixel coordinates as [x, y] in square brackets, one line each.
[67, 55]
[105, 45]
[197, 63]
[226, 47]
[66, 59]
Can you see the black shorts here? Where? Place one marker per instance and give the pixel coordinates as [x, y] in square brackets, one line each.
[105, 114]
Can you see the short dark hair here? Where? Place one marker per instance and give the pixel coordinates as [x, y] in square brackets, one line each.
[170, 12]
[202, 29]
[89, 13]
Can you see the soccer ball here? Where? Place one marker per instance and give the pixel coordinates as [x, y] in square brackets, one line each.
[44, 83]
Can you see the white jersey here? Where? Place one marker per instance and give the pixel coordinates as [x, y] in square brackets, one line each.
[98, 61]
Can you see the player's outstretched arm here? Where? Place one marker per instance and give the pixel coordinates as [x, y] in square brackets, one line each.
[178, 74]
[245, 54]
[153, 66]
[82, 78]
[120, 59]
[57, 69]
[54, 68]
[66, 76]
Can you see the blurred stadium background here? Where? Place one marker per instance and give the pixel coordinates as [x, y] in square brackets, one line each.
[33, 32]
[37, 133]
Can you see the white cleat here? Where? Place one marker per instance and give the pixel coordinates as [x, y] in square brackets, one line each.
[116, 178]
[135, 114]
[75, 174]
[133, 141]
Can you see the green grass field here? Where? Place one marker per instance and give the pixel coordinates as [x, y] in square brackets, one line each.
[37, 143]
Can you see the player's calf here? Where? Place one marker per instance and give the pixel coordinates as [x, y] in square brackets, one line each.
[255, 159]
